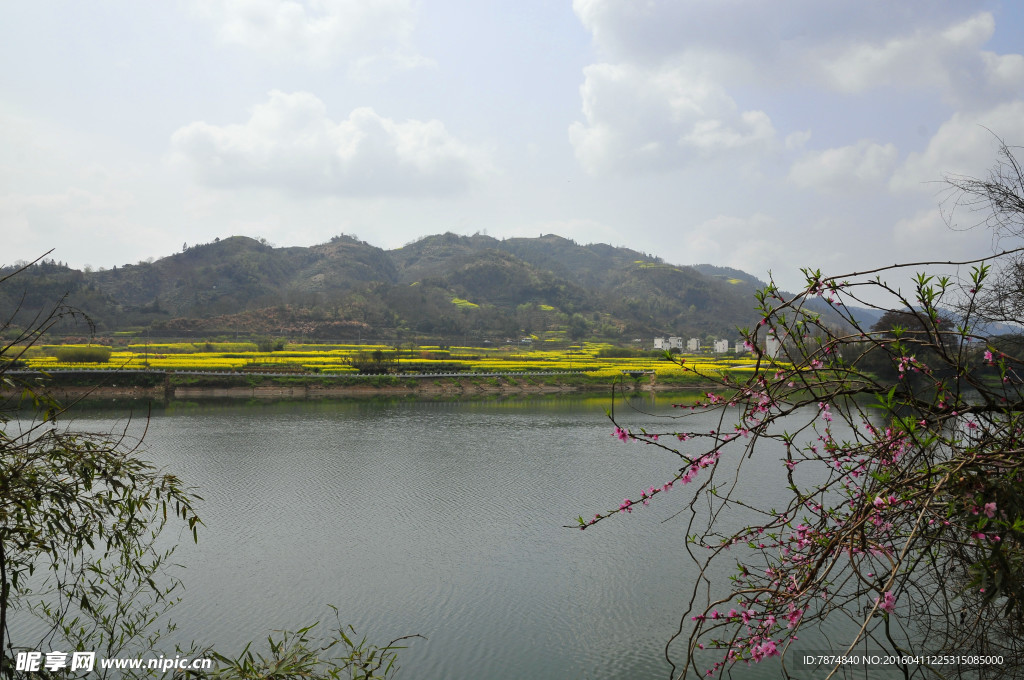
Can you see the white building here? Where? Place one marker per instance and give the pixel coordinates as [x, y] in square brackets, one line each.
[693, 345]
[772, 346]
[659, 343]
[721, 346]
[740, 347]
[675, 342]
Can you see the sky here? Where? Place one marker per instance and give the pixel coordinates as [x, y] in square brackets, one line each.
[755, 135]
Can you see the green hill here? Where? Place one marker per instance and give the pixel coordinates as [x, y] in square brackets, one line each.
[443, 287]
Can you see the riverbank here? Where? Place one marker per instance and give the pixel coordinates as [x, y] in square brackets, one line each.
[302, 387]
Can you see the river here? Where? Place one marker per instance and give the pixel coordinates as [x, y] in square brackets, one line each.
[444, 519]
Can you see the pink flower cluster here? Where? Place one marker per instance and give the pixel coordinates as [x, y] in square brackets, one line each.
[764, 650]
[887, 602]
[904, 364]
[758, 639]
[685, 477]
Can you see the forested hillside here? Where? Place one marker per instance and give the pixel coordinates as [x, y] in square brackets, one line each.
[444, 286]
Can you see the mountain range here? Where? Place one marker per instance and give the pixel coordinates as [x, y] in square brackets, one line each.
[443, 287]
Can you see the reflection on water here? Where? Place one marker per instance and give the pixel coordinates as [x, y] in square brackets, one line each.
[438, 518]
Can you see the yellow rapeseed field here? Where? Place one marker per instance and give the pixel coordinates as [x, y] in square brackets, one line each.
[337, 358]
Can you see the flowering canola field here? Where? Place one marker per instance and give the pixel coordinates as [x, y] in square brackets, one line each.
[337, 359]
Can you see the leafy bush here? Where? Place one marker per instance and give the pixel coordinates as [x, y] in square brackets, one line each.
[92, 354]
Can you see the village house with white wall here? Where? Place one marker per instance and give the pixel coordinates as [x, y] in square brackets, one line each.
[721, 346]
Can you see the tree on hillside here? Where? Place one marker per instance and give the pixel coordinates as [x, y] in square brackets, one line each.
[897, 326]
[904, 524]
[577, 327]
[896, 321]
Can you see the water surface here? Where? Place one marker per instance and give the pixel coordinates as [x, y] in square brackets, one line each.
[444, 519]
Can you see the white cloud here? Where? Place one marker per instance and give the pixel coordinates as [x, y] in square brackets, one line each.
[797, 140]
[949, 60]
[652, 31]
[640, 118]
[751, 29]
[928, 235]
[849, 47]
[290, 143]
[923, 227]
[667, 94]
[364, 33]
[859, 165]
[963, 145]
[747, 243]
